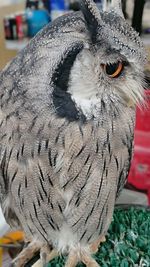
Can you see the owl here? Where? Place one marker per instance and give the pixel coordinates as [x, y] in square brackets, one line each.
[67, 116]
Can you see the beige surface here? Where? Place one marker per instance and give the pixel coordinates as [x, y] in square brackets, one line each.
[9, 2]
[132, 197]
[5, 54]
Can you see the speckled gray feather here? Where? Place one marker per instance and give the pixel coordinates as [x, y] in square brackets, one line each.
[66, 128]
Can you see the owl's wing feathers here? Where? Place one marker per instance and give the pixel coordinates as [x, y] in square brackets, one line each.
[122, 179]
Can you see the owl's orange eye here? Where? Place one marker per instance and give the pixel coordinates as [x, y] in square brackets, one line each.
[113, 70]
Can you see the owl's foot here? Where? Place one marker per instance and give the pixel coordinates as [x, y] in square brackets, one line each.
[89, 261]
[95, 245]
[25, 255]
[74, 259]
[45, 256]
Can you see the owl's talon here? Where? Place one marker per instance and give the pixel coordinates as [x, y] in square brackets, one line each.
[25, 255]
[82, 256]
[72, 260]
[38, 264]
[89, 261]
[53, 254]
[45, 257]
[95, 245]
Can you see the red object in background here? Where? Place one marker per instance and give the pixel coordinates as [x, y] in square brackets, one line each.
[139, 175]
[19, 24]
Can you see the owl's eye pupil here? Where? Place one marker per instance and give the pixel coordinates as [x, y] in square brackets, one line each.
[111, 69]
[114, 70]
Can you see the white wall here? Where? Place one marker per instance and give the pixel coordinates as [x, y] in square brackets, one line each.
[9, 2]
[4, 227]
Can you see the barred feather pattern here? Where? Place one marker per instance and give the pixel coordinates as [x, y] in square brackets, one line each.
[66, 128]
[67, 177]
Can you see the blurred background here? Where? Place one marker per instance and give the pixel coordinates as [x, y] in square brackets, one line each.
[20, 20]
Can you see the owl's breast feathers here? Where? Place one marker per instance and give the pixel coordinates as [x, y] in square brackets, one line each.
[64, 176]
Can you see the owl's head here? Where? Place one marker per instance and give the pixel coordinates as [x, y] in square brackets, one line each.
[81, 64]
[108, 70]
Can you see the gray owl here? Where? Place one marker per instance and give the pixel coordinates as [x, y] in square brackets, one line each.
[67, 116]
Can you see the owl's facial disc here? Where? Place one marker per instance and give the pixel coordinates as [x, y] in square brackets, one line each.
[100, 76]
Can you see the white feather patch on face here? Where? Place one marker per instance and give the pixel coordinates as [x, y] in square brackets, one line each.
[83, 82]
[82, 79]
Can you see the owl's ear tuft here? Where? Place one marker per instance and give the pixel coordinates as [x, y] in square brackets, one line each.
[92, 16]
[115, 5]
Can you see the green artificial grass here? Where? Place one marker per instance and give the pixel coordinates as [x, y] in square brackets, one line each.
[127, 243]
